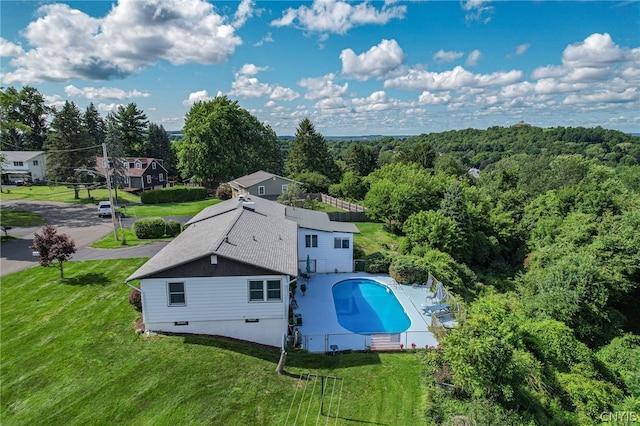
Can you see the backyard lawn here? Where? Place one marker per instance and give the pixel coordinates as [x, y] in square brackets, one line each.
[63, 194]
[373, 238]
[70, 356]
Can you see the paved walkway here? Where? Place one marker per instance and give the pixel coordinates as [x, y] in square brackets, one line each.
[79, 221]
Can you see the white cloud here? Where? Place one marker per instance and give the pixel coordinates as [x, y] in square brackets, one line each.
[8, 49]
[280, 93]
[477, 10]
[428, 98]
[268, 38]
[251, 69]
[375, 62]
[377, 101]
[521, 49]
[244, 12]
[195, 97]
[456, 79]
[249, 87]
[134, 35]
[322, 87]
[93, 93]
[473, 58]
[337, 16]
[108, 107]
[605, 96]
[443, 56]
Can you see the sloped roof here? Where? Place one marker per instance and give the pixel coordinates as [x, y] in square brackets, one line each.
[20, 155]
[320, 221]
[251, 230]
[254, 178]
[146, 163]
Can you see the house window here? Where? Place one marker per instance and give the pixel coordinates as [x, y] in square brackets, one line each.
[285, 187]
[138, 165]
[160, 176]
[341, 243]
[311, 241]
[153, 165]
[176, 294]
[261, 190]
[35, 162]
[18, 163]
[148, 178]
[265, 291]
[128, 181]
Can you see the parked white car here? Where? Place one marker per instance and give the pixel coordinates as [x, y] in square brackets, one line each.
[104, 209]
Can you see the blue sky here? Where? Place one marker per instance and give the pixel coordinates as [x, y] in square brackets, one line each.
[352, 68]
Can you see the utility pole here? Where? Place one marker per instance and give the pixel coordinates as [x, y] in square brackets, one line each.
[113, 207]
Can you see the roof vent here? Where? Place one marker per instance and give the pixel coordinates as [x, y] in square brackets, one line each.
[249, 205]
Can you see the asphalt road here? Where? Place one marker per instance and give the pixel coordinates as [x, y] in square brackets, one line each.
[80, 222]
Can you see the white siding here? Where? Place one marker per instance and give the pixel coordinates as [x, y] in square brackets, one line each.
[217, 306]
[326, 258]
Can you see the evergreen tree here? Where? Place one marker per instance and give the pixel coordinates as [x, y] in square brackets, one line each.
[69, 146]
[95, 126]
[309, 152]
[159, 146]
[360, 159]
[23, 119]
[131, 125]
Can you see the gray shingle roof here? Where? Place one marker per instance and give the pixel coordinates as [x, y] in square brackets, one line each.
[255, 232]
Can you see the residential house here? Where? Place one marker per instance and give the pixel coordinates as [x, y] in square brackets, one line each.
[262, 184]
[23, 166]
[228, 272]
[139, 173]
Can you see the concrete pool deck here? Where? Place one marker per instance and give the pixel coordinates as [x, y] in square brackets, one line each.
[320, 328]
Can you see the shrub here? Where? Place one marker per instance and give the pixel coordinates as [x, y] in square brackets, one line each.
[378, 263]
[152, 227]
[173, 228]
[173, 195]
[223, 192]
[409, 270]
[135, 299]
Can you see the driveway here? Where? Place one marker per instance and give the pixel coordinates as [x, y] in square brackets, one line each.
[79, 221]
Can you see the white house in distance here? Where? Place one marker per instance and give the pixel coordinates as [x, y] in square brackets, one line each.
[20, 166]
[228, 272]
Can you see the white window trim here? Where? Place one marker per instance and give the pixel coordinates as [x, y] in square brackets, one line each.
[35, 162]
[148, 178]
[311, 240]
[138, 165]
[285, 187]
[184, 293]
[153, 165]
[265, 291]
[342, 240]
[262, 190]
[160, 177]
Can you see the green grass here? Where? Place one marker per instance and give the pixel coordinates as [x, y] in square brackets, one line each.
[190, 208]
[63, 194]
[373, 238]
[109, 242]
[70, 356]
[10, 217]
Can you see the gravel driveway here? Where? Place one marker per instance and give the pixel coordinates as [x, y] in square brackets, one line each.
[79, 221]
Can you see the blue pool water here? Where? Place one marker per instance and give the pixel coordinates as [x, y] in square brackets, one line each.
[365, 306]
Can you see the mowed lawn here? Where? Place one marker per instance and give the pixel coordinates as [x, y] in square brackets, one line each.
[70, 356]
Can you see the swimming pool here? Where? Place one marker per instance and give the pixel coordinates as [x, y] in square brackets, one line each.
[365, 306]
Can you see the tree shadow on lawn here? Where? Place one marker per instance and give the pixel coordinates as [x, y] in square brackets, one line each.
[91, 278]
[295, 358]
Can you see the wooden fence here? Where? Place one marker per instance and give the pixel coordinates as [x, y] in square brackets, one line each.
[341, 204]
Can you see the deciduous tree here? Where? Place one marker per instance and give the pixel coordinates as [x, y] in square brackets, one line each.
[53, 247]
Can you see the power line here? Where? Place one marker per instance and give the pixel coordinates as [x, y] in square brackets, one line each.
[73, 150]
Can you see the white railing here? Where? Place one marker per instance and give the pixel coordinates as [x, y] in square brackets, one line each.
[359, 342]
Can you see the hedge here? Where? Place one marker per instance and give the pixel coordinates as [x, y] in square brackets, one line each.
[173, 228]
[409, 270]
[175, 194]
[152, 227]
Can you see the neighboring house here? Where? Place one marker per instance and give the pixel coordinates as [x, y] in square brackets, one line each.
[139, 173]
[228, 272]
[262, 184]
[23, 166]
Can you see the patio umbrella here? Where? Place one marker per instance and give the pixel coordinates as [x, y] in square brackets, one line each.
[440, 293]
[308, 264]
